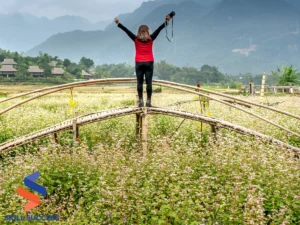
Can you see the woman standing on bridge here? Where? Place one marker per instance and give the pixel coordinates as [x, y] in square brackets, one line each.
[144, 60]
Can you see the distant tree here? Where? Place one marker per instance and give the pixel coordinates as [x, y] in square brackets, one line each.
[66, 63]
[79, 75]
[88, 63]
[211, 74]
[164, 70]
[286, 76]
[67, 77]
[206, 68]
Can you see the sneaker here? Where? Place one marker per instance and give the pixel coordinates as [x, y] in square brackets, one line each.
[141, 103]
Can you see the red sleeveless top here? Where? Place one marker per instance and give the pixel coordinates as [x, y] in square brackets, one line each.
[143, 51]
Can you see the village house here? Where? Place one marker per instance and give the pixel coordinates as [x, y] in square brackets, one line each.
[7, 71]
[58, 71]
[7, 68]
[9, 62]
[53, 63]
[35, 71]
[86, 75]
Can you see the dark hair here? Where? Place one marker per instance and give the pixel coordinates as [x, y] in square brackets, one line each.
[143, 33]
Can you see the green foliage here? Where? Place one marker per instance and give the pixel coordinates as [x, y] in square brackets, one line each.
[186, 178]
[188, 75]
[3, 95]
[236, 85]
[287, 76]
[43, 60]
[114, 70]
[87, 63]
[164, 124]
[128, 102]
[66, 63]
[235, 184]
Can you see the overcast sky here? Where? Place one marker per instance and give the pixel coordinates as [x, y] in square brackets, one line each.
[94, 10]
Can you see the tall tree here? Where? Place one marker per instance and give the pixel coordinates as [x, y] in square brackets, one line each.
[66, 63]
[88, 63]
[286, 76]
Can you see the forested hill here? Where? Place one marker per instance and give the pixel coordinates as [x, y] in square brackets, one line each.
[237, 36]
[23, 31]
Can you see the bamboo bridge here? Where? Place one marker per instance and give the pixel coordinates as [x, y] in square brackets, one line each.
[142, 114]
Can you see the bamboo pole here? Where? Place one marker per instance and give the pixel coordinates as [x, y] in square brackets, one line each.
[161, 82]
[130, 80]
[137, 122]
[170, 86]
[75, 134]
[90, 118]
[144, 132]
[74, 84]
[75, 128]
[262, 90]
[215, 130]
[251, 86]
[55, 138]
[236, 107]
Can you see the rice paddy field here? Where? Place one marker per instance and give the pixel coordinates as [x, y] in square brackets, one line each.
[187, 177]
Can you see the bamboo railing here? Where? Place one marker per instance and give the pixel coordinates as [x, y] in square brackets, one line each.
[114, 113]
[173, 85]
[133, 80]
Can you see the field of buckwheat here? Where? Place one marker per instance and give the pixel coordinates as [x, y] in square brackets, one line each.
[185, 178]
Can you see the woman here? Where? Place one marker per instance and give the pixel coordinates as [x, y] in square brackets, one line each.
[144, 60]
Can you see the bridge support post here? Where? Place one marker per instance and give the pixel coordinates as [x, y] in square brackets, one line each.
[251, 86]
[262, 90]
[75, 128]
[144, 133]
[215, 130]
[55, 138]
[138, 126]
[138, 123]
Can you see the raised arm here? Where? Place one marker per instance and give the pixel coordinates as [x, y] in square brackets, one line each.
[128, 32]
[156, 33]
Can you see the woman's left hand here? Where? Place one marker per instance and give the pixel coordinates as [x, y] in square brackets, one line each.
[117, 21]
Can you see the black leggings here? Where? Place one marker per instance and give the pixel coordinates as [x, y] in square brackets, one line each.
[142, 68]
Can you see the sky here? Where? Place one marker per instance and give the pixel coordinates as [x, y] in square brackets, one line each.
[93, 10]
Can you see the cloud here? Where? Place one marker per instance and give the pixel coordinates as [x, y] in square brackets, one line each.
[245, 51]
[94, 10]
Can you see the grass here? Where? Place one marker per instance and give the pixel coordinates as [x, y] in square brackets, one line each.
[185, 178]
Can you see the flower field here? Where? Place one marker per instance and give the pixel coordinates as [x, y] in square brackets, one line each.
[186, 177]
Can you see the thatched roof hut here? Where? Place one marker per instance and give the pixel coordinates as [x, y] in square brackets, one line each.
[8, 68]
[53, 63]
[58, 71]
[9, 62]
[36, 71]
[7, 71]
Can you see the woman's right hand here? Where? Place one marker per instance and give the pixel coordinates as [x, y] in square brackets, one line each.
[117, 21]
[168, 17]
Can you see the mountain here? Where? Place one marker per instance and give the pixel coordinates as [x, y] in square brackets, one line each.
[236, 26]
[147, 7]
[114, 42]
[20, 32]
[138, 14]
[235, 35]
